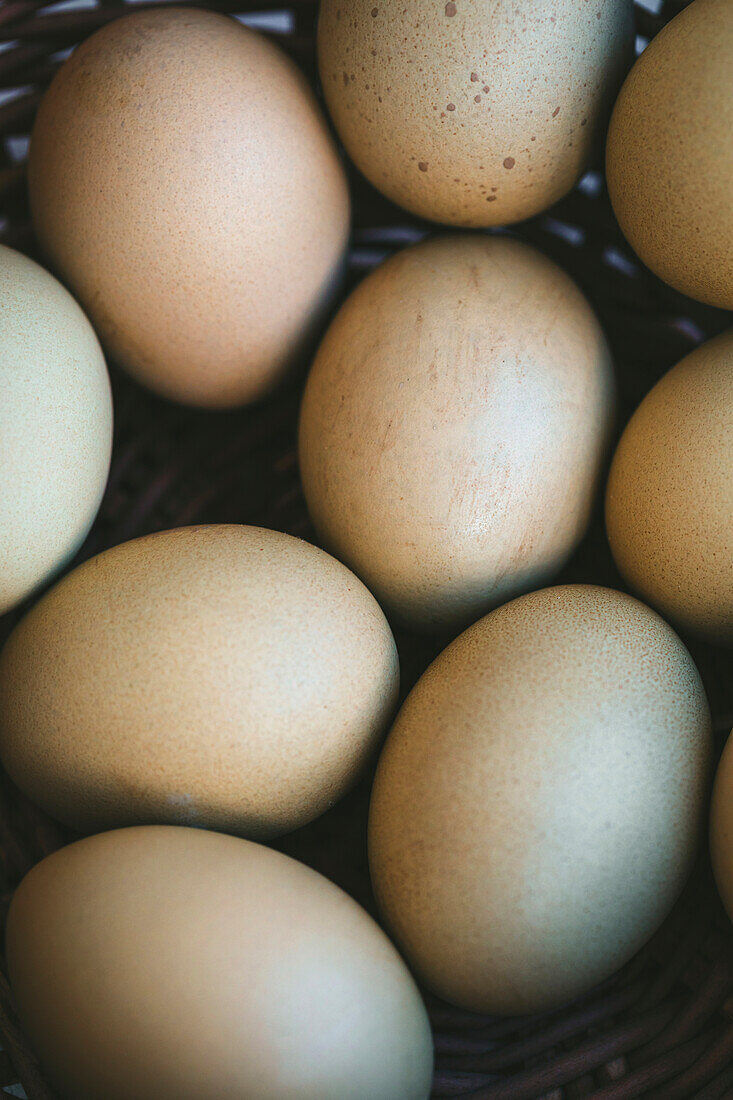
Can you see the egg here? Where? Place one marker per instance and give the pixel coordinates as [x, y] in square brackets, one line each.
[183, 182]
[454, 425]
[537, 805]
[55, 427]
[173, 963]
[721, 827]
[224, 676]
[669, 502]
[472, 113]
[669, 159]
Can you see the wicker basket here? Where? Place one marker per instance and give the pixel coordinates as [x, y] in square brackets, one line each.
[663, 1026]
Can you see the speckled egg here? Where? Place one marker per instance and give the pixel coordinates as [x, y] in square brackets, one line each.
[472, 113]
[183, 182]
[454, 426]
[538, 802]
[55, 427]
[721, 827]
[669, 503]
[669, 159]
[222, 676]
[180, 964]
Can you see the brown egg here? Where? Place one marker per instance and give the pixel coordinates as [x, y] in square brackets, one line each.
[472, 113]
[537, 804]
[55, 427]
[180, 964]
[454, 425]
[184, 184]
[219, 676]
[721, 827]
[669, 159]
[669, 503]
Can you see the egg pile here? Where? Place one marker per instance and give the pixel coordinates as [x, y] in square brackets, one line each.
[539, 795]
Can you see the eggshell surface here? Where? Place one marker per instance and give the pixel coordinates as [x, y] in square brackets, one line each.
[537, 804]
[454, 425]
[669, 503]
[669, 159]
[721, 827]
[175, 963]
[472, 113]
[55, 427]
[204, 232]
[220, 676]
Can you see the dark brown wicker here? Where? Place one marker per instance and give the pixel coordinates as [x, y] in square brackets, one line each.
[663, 1027]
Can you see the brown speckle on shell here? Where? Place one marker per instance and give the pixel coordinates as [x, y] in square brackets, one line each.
[516, 42]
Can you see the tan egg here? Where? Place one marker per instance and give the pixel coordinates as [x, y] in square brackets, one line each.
[537, 805]
[472, 113]
[721, 827]
[669, 159]
[669, 503]
[184, 183]
[228, 677]
[454, 425]
[55, 427]
[185, 964]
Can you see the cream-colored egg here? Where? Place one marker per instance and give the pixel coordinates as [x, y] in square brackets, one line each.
[184, 183]
[669, 503]
[669, 159]
[221, 676]
[454, 425]
[472, 113]
[538, 801]
[55, 427]
[180, 964]
[721, 827]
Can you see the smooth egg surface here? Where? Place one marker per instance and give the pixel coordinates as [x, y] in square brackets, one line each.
[721, 827]
[179, 964]
[538, 802]
[184, 183]
[454, 426]
[219, 676]
[55, 427]
[669, 502]
[669, 160]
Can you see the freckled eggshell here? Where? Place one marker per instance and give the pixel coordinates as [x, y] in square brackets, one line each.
[223, 676]
[55, 427]
[472, 113]
[537, 804]
[183, 182]
[177, 964]
[454, 425]
[669, 160]
[669, 503]
[721, 827]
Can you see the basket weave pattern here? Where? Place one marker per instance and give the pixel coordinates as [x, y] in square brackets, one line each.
[663, 1027]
